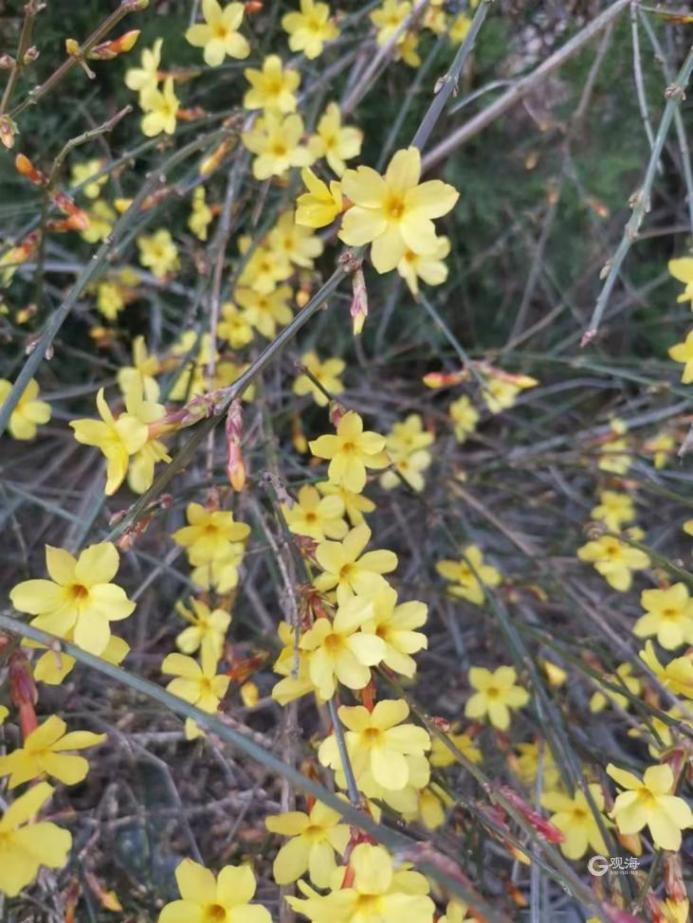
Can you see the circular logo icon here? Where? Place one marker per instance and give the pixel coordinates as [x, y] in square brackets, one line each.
[598, 866]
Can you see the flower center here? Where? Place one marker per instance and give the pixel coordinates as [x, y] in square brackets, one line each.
[279, 149]
[78, 592]
[394, 208]
[670, 613]
[215, 913]
[345, 571]
[333, 643]
[492, 692]
[311, 517]
[220, 31]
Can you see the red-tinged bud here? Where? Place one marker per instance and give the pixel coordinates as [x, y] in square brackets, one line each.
[7, 62]
[543, 827]
[71, 899]
[235, 466]
[445, 379]
[212, 161]
[253, 6]
[106, 51]
[673, 877]
[78, 219]
[359, 301]
[26, 169]
[337, 411]
[306, 545]
[616, 915]
[23, 692]
[368, 695]
[31, 55]
[442, 724]
[191, 115]
[516, 894]
[7, 131]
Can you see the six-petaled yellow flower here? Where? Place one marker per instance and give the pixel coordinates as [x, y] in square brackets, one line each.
[205, 898]
[315, 838]
[350, 452]
[43, 751]
[28, 414]
[497, 694]
[79, 600]
[219, 35]
[649, 802]
[394, 212]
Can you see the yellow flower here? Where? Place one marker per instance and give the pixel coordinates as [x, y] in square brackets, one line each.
[496, 694]
[315, 837]
[661, 735]
[143, 369]
[334, 141]
[235, 326]
[321, 204]
[201, 215]
[310, 29]
[220, 574]
[340, 651]
[441, 755]
[677, 675]
[266, 311]
[682, 269]
[209, 533]
[388, 18]
[614, 454]
[614, 560]
[464, 416]
[648, 802]
[27, 844]
[82, 173]
[408, 49]
[622, 677]
[292, 664]
[315, 516]
[79, 598]
[394, 211]
[378, 742]
[669, 616]
[395, 624]
[662, 448]
[101, 220]
[376, 893]
[264, 268]
[43, 751]
[118, 439]
[456, 912]
[141, 467]
[197, 683]
[327, 372]
[614, 510]
[469, 575]
[348, 570]
[575, 820]
[350, 452]
[527, 765]
[52, 667]
[206, 899]
[405, 445]
[28, 413]
[297, 243]
[158, 252]
[272, 87]
[276, 142]
[459, 28]
[429, 267]
[110, 299]
[146, 77]
[355, 504]
[683, 352]
[219, 35]
[501, 391]
[207, 627]
[160, 110]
